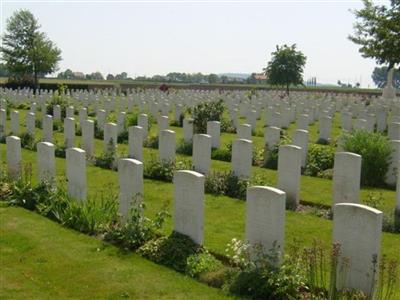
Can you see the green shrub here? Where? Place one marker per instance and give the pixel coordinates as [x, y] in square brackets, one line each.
[227, 125]
[224, 154]
[155, 169]
[375, 151]
[172, 251]
[28, 141]
[319, 159]
[123, 137]
[185, 148]
[226, 183]
[201, 263]
[107, 160]
[60, 151]
[98, 133]
[137, 230]
[204, 112]
[151, 142]
[258, 275]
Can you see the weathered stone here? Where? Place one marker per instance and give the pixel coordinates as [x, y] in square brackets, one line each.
[14, 157]
[214, 130]
[202, 153]
[46, 162]
[136, 142]
[167, 146]
[242, 158]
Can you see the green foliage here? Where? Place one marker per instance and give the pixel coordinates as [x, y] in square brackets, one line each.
[155, 169]
[201, 263]
[271, 156]
[172, 251]
[204, 112]
[185, 148]
[260, 277]
[151, 142]
[28, 141]
[377, 32]
[60, 151]
[286, 66]
[137, 230]
[319, 159]
[226, 183]
[163, 170]
[26, 50]
[224, 154]
[375, 151]
[88, 217]
[379, 76]
[106, 160]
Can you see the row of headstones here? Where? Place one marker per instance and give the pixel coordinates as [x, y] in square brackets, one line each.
[202, 144]
[291, 158]
[357, 228]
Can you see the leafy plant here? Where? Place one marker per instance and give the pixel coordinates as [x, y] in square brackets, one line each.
[28, 141]
[319, 159]
[375, 151]
[137, 230]
[172, 251]
[201, 263]
[204, 112]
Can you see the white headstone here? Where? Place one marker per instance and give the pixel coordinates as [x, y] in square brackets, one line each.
[265, 218]
[14, 157]
[130, 175]
[46, 162]
[76, 173]
[242, 158]
[136, 142]
[189, 204]
[202, 153]
[357, 230]
[289, 173]
[346, 177]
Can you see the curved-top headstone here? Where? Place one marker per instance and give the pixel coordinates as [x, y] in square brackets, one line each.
[357, 231]
[189, 204]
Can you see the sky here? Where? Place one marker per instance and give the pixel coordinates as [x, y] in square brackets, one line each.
[158, 37]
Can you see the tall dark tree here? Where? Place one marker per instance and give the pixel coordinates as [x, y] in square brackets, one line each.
[377, 31]
[26, 51]
[379, 76]
[286, 67]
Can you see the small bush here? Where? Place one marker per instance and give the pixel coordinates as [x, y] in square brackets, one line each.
[319, 159]
[172, 251]
[201, 263]
[204, 112]
[226, 183]
[60, 151]
[224, 154]
[156, 169]
[151, 142]
[123, 137]
[106, 160]
[137, 230]
[185, 148]
[375, 151]
[28, 141]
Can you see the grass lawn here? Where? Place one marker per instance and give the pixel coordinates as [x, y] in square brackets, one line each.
[224, 216]
[40, 259]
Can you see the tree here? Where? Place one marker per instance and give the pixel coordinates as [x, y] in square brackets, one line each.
[378, 32]
[379, 76]
[95, 76]
[286, 67]
[3, 70]
[67, 74]
[213, 78]
[110, 77]
[26, 51]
